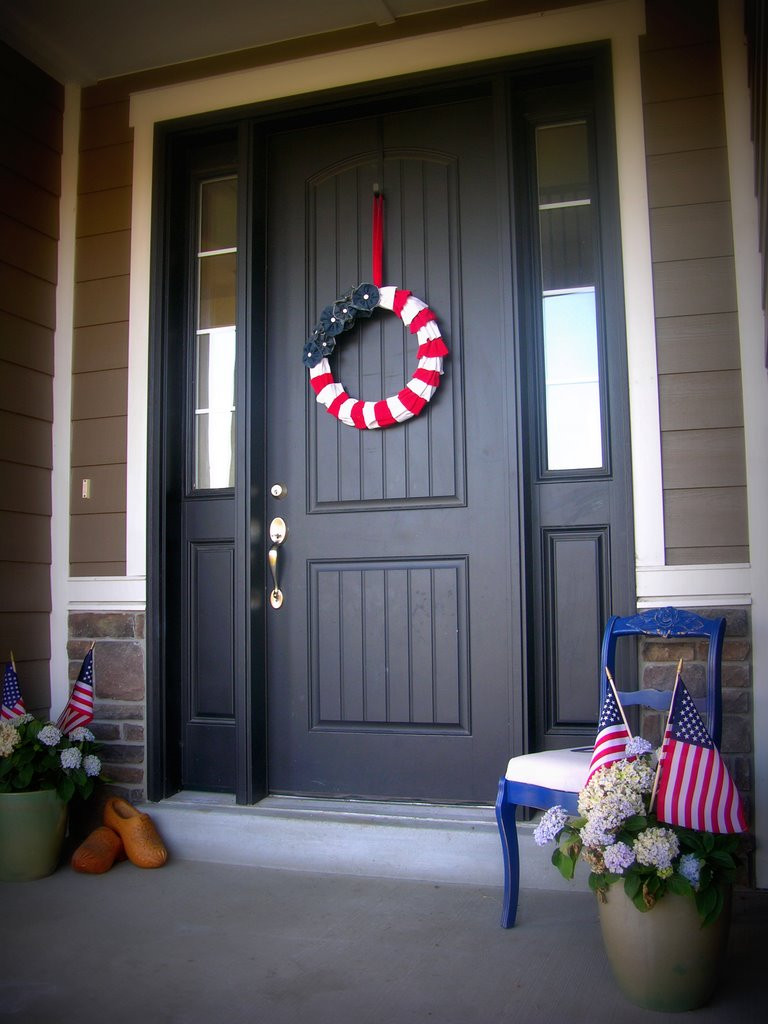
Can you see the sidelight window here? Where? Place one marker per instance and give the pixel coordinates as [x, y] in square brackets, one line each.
[214, 411]
[571, 364]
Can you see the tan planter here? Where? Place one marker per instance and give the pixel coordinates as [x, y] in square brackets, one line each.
[663, 959]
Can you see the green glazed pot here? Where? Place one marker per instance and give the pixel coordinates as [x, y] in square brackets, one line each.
[32, 827]
[663, 959]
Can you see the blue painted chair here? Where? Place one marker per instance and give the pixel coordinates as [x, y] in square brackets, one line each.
[556, 776]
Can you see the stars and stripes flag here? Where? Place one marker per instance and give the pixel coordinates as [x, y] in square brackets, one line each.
[13, 704]
[612, 735]
[695, 789]
[79, 709]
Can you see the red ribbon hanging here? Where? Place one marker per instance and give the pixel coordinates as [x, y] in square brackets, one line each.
[377, 237]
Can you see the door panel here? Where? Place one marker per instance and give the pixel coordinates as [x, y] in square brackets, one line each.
[389, 661]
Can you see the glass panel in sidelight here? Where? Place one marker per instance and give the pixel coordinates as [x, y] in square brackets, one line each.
[569, 304]
[215, 409]
[216, 335]
[218, 214]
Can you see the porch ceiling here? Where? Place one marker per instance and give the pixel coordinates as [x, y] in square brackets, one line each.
[84, 42]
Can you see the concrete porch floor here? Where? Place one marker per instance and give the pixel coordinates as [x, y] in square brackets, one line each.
[198, 941]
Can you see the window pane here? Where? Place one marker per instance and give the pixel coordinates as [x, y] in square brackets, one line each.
[568, 279]
[216, 335]
[562, 158]
[215, 409]
[567, 252]
[572, 381]
[217, 290]
[218, 214]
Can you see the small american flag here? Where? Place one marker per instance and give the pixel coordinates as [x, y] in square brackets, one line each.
[612, 736]
[79, 709]
[695, 789]
[13, 705]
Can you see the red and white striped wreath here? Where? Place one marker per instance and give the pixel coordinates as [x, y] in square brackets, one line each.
[409, 402]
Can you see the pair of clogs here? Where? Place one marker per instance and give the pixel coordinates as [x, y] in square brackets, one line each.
[126, 833]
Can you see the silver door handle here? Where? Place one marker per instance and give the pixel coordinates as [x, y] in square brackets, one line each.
[278, 531]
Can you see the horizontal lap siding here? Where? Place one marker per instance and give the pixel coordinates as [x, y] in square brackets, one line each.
[100, 353]
[694, 286]
[31, 106]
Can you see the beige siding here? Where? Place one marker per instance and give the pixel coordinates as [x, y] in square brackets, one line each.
[100, 356]
[694, 286]
[30, 173]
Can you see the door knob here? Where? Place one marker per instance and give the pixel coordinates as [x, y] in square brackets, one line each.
[278, 531]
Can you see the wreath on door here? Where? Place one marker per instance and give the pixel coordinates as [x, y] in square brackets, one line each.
[360, 303]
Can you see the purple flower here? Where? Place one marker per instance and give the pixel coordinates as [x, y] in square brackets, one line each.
[618, 858]
[550, 825]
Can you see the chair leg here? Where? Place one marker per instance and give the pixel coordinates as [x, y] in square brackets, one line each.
[505, 817]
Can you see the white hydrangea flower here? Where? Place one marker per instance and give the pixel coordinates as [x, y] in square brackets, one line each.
[657, 847]
[81, 734]
[9, 738]
[91, 765]
[637, 746]
[597, 832]
[49, 735]
[71, 758]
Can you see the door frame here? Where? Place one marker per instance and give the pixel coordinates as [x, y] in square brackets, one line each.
[253, 124]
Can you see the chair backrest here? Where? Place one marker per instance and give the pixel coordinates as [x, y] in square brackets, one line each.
[668, 623]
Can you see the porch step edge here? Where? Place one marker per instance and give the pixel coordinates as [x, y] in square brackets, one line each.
[410, 841]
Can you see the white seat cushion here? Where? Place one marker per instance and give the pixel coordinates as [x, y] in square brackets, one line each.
[565, 770]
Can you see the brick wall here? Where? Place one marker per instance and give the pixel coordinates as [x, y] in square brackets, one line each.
[658, 662]
[119, 691]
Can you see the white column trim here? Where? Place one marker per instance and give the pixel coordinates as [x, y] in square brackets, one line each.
[694, 586]
[62, 399]
[645, 424]
[138, 353]
[754, 382]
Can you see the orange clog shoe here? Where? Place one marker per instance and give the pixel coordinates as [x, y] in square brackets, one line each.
[142, 843]
[98, 852]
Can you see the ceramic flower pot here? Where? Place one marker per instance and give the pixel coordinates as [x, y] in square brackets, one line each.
[32, 827]
[663, 959]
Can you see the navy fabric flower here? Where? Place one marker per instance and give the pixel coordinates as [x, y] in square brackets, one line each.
[365, 298]
[312, 353]
[330, 323]
[344, 310]
[357, 303]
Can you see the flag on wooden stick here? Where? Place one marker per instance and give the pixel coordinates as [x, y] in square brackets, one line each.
[695, 789]
[612, 733]
[13, 704]
[79, 709]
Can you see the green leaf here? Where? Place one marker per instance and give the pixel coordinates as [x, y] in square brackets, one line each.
[640, 902]
[653, 884]
[636, 823]
[722, 859]
[66, 789]
[563, 864]
[678, 884]
[632, 885]
[707, 901]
